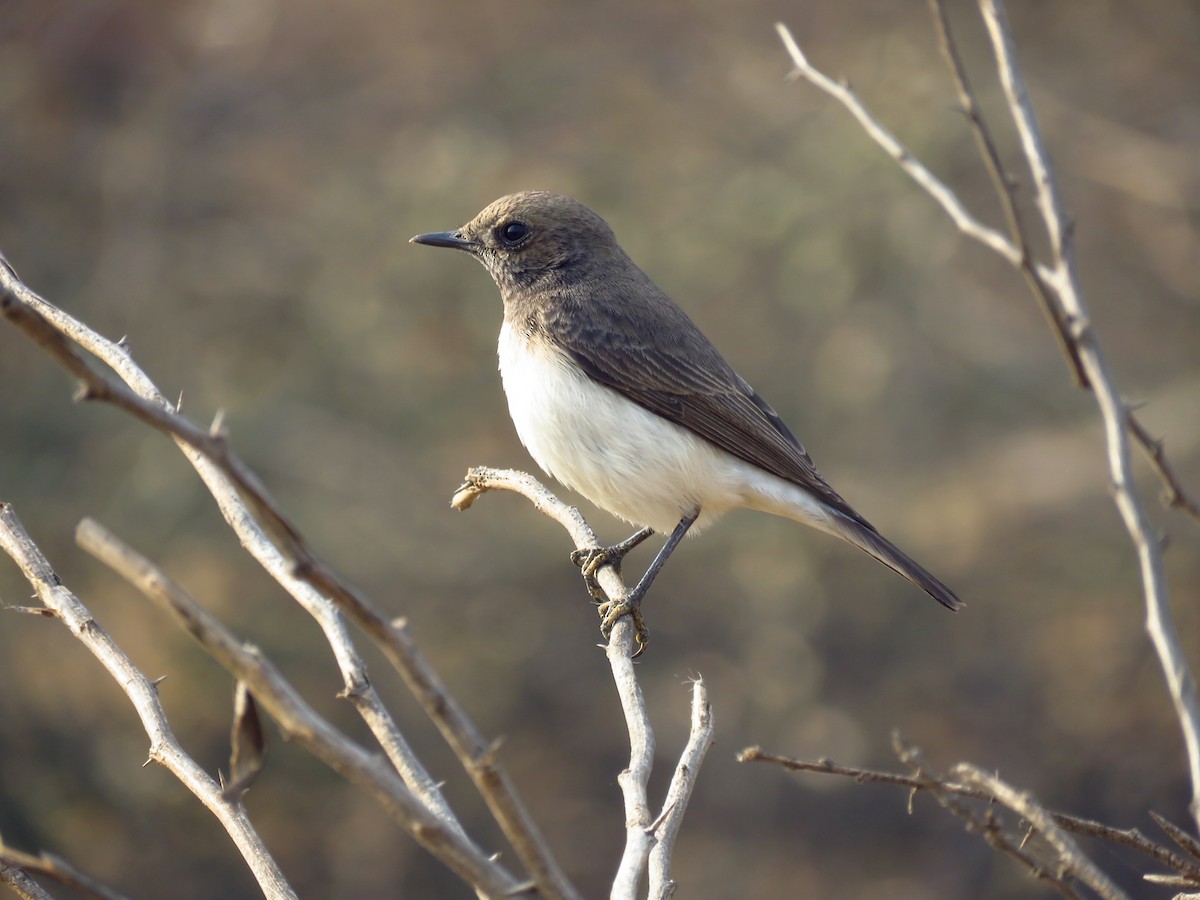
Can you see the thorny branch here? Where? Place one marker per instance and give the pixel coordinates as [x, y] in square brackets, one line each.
[1069, 314]
[295, 717]
[164, 748]
[245, 504]
[1185, 868]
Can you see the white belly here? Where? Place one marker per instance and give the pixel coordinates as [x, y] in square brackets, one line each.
[625, 459]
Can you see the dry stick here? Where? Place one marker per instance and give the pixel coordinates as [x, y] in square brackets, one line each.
[640, 829]
[1174, 493]
[229, 481]
[24, 886]
[164, 748]
[58, 869]
[1024, 804]
[1063, 283]
[298, 721]
[634, 779]
[666, 828]
[1188, 870]
[1113, 410]
[1034, 271]
[1006, 190]
[912, 167]
[991, 828]
[238, 492]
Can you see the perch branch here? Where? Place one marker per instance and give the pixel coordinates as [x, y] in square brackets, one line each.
[643, 834]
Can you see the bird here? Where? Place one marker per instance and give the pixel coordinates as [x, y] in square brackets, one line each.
[617, 394]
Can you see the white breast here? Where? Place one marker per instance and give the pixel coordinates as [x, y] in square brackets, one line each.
[625, 459]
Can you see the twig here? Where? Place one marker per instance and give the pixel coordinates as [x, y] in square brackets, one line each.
[1159, 625]
[683, 782]
[295, 717]
[164, 748]
[634, 779]
[986, 822]
[237, 491]
[911, 166]
[644, 835]
[1006, 191]
[1062, 281]
[296, 567]
[58, 869]
[1024, 804]
[24, 886]
[1187, 870]
[1173, 493]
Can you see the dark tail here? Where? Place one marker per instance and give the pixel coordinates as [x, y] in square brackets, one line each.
[866, 538]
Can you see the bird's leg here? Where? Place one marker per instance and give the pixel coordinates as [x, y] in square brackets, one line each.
[611, 611]
[592, 560]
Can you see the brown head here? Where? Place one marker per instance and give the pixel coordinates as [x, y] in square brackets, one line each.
[533, 238]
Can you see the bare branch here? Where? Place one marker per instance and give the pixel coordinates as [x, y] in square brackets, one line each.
[1180, 682]
[989, 825]
[1187, 870]
[1173, 492]
[1023, 803]
[297, 568]
[164, 748]
[56, 868]
[680, 792]
[18, 879]
[1067, 309]
[646, 839]
[298, 721]
[1006, 191]
[634, 779]
[237, 491]
[911, 166]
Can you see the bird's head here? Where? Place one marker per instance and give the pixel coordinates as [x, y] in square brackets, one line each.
[533, 237]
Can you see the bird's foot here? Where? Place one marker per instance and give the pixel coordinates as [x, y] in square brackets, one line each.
[611, 611]
[593, 559]
[590, 562]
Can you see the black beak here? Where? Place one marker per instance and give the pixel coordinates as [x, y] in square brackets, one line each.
[453, 239]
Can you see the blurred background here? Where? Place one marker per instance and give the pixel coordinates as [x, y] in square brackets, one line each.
[231, 184]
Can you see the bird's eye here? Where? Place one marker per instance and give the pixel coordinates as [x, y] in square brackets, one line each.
[512, 233]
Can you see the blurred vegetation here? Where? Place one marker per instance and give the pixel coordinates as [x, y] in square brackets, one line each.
[231, 183]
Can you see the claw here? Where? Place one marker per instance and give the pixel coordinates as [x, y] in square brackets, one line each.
[590, 562]
[612, 611]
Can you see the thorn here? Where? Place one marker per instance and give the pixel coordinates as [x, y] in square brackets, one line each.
[217, 429]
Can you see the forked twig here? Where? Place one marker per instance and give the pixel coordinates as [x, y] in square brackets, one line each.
[1070, 316]
[645, 835]
[165, 749]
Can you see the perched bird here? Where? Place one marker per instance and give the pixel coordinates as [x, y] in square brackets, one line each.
[617, 394]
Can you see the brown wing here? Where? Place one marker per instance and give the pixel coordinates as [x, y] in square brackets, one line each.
[663, 362]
